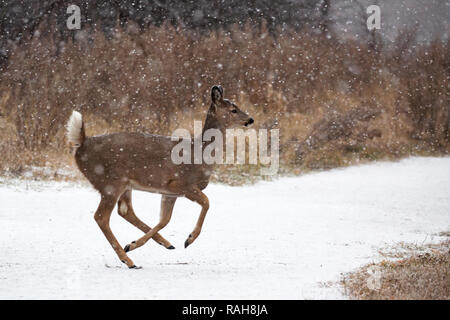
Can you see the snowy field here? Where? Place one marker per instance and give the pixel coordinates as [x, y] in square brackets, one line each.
[272, 240]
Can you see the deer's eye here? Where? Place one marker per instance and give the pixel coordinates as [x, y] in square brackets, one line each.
[234, 110]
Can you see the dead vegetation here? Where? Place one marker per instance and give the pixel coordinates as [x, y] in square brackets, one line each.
[421, 274]
[335, 102]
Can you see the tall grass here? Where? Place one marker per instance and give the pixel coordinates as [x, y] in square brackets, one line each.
[335, 102]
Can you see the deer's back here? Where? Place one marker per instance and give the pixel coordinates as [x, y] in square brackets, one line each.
[141, 161]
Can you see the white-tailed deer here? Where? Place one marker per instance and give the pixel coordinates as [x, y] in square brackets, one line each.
[119, 162]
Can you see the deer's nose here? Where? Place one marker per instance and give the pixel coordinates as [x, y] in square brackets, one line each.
[249, 122]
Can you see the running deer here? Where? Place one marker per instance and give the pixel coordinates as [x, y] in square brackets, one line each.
[117, 163]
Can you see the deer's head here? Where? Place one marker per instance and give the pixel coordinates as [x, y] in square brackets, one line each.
[227, 113]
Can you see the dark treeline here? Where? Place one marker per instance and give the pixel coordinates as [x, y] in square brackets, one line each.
[20, 18]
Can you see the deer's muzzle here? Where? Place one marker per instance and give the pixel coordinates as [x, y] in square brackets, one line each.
[249, 122]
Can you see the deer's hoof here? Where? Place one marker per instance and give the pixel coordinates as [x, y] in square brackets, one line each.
[128, 246]
[188, 241]
[171, 247]
[133, 266]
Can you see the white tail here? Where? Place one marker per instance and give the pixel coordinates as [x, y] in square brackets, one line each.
[75, 129]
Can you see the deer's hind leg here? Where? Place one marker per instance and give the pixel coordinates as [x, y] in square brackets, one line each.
[125, 209]
[102, 217]
[167, 203]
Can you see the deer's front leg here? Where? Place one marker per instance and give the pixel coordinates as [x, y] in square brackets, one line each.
[199, 197]
[167, 203]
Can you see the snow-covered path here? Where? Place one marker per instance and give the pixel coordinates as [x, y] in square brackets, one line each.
[272, 240]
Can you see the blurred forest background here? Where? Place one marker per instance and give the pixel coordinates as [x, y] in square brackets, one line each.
[339, 94]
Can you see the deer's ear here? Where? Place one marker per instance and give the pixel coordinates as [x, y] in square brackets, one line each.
[217, 93]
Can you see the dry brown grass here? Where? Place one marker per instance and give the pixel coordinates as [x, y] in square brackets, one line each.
[159, 79]
[420, 276]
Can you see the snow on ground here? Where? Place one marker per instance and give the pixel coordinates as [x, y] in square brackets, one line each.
[272, 240]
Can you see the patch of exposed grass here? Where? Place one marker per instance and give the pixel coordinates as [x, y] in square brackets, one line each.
[424, 274]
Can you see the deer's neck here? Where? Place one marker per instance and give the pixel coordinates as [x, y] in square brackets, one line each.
[212, 122]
